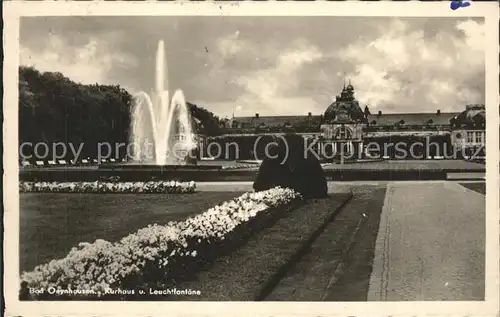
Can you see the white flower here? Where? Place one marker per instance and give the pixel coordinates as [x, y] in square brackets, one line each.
[108, 187]
[95, 266]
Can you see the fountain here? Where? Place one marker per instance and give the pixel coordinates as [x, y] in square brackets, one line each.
[162, 142]
[162, 133]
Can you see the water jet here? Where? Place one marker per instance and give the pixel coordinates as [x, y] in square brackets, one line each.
[161, 128]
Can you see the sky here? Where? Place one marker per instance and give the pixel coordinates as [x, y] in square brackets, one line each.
[271, 65]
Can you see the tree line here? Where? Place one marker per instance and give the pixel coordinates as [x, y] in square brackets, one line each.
[53, 109]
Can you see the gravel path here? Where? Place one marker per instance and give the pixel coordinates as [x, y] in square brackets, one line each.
[430, 245]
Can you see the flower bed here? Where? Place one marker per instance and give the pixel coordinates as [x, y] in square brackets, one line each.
[159, 255]
[155, 187]
[241, 166]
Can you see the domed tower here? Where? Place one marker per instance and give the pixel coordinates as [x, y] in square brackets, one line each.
[349, 91]
[342, 126]
[345, 108]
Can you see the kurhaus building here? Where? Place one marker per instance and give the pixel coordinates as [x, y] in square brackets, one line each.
[347, 128]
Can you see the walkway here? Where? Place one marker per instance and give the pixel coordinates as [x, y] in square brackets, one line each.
[430, 244]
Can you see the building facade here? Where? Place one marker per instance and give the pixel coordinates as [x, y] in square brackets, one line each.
[347, 129]
[342, 126]
[469, 131]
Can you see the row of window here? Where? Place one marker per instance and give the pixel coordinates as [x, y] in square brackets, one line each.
[475, 137]
[243, 125]
[340, 133]
[183, 137]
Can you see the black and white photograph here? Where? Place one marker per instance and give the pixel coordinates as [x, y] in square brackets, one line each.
[234, 155]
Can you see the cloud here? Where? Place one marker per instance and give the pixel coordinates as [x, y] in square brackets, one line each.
[230, 45]
[271, 65]
[249, 105]
[267, 90]
[88, 63]
[405, 71]
[474, 34]
[258, 77]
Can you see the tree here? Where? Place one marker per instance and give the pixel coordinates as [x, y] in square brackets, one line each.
[211, 122]
[52, 108]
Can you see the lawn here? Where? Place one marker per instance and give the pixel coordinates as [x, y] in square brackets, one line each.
[339, 262]
[251, 271]
[51, 224]
[477, 187]
[410, 165]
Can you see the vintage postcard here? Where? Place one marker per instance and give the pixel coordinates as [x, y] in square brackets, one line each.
[251, 158]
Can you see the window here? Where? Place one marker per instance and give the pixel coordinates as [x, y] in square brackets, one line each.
[479, 137]
[470, 137]
[342, 133]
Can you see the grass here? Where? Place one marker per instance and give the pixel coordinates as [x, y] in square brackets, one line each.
[411, 165]
[51, 224]
[339, 263]
[249, 272]
[477, 187]
[304, 256]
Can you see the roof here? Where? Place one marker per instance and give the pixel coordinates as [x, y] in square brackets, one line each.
[278, 121]
[412, 118]
[344, 110]
[418, 119]
[473, 115]
[381, 134]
